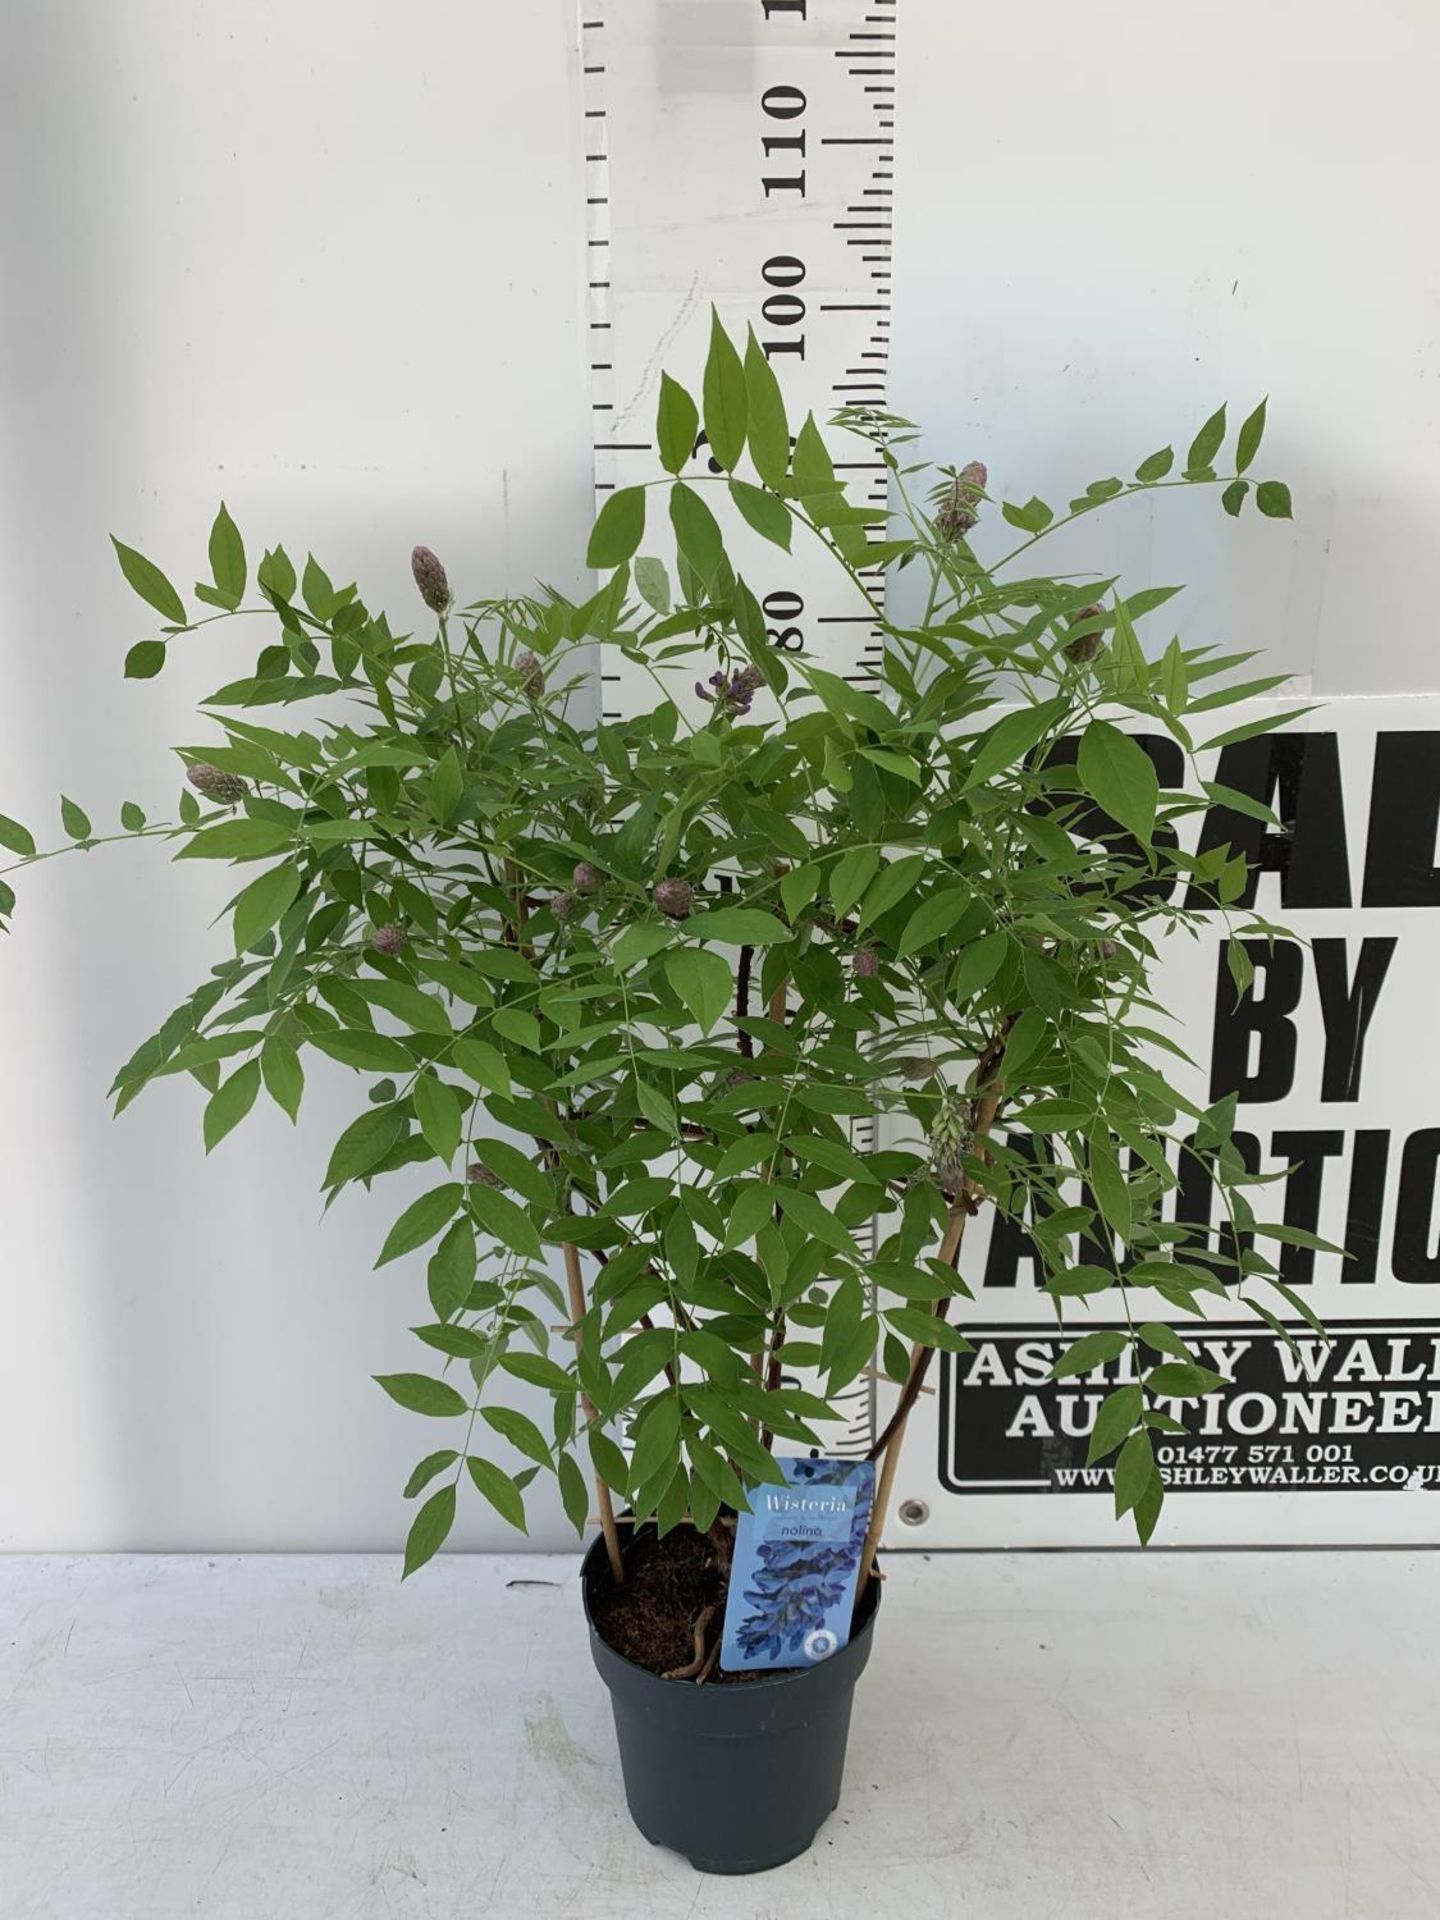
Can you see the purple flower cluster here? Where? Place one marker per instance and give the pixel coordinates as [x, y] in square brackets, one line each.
[736, 693]
[801, 1581]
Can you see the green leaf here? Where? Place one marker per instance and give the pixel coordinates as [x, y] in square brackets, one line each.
[132, 818]
[812, 1216]
[1119, 775]
[1241, 966]
[1233, 498]
[739, 927]
[1119, 1412]
[652, 583]
[724, 397]
[934, 918]
[850, 876]
[677, 422]
[316, 589]
[767, 428]
[242, 839]
[928, 1329]
[419, 1011]
[482, 1063]
[1182, 1380]
[451, 1270]
[1147, 1509]
[1112, 1193]
[437, 1108]
[447, 784]
[144, 660]
[427, 1469]
[574, 1495]
[1012, 737]
[702, 981]
[429, 1529]
[499, 1489]
[768, 515]
[1273, 499]
[75, 820]
[1080, 1282]
[1033, 517]
[261, 904]
[421, 1221]
[893, 884]
[697, 533]
[1164, 1339]
[658, 1441]
[363, 1144]
[656, 1109]
[418, 1393]
[283, 1074]
[1207, 443]
[510, 1224]
[619, 528]
[1134, 1471]
[1155, 467]
[276, 576]
[978, 964]
[1091, 1350]
[1174, 678]
[16, 838]
[230, 1103]
[1248, 443]
[520, 1431]
[370, 1052]
[812, 464]
[639, 941]
[149, 582]
[227, 556]
[536, 1371]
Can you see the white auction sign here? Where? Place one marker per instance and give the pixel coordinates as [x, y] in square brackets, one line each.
[1333, 1055]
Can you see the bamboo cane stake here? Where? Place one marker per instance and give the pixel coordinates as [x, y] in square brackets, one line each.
[575, 1280]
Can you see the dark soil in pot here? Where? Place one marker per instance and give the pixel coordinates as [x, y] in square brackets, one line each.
[739, 1771]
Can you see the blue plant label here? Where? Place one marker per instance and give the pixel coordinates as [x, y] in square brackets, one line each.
[797, 1559]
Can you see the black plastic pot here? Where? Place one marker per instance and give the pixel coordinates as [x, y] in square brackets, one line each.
[738, 1777]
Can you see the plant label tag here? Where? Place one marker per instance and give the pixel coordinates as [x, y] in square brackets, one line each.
[797, 1559]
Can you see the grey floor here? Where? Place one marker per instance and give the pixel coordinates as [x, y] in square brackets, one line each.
[1059, 1737]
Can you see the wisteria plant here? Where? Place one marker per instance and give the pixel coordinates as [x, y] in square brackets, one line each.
[618, 992]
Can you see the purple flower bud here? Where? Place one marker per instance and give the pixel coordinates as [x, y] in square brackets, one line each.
[532, 674]
[1084, 647]
[866, 963]
[391, 938]
[586, 878]
[431, 579]
[675, 899]
[562, 905]
[958, 511]
[226, 788]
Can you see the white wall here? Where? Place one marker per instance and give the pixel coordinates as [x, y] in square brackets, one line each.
[326, 259]
[1113, 216]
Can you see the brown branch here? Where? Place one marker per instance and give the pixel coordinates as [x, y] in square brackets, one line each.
[742, 1002]
[695, 1666]
[983, 1109]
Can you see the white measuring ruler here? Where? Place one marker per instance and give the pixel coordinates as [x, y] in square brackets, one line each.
[740, 153]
